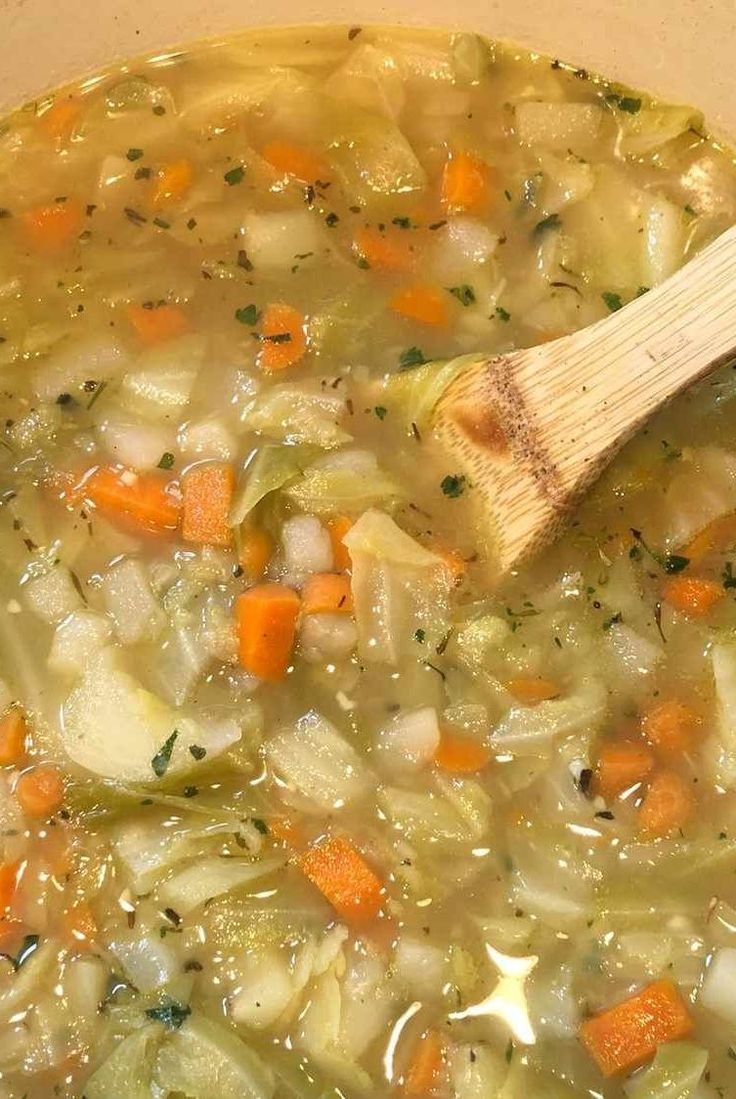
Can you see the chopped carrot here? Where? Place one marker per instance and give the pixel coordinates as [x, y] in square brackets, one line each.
[423, 303]
[390, 250]
[146, 500]
[207, 492]
[344, 877]
[157, 324]
[455, 562]
[58, 120]
[13, 734]
[460, 755]
[327, 593]
[533, 689]
[623, 1037]
[49, 229]
[667, 806]
[719, 534]
[283, 337]
[255, 550]
[671, 727]
[691, 595]
[80, 926]
[621, 765]
[295, 160]
[173, 181]
[40, 792]
[266, 620]
[427, 1066]
[11, 931]
[337, 529]
[9, 874]
[466, 183]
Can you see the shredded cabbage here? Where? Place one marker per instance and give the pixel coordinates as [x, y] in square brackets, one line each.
[399, 587]
[269, 469]
[312, 759]
[207, 1060]
[416, 392]
[330, 490]
[296, 414]
[211, 877]
[533, 730]
[129, 1068]
[674, 1074]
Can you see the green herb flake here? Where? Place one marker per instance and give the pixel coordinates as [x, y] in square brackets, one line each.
[671, 453]
[27, 949]
[629, 104]
[162, 759]
[464, 293]
[453, 485]
[159, 110]
[234, 176]
[509, 1051]
[502, 313]
[689, 210]
[674, 562]
[260, 825]
[192, 223]
[413, 356]
[380, 411]
[134, 154]
[727, 576]
[507, 196]
[166, 461]
[99, 389]
[553, 221]
[613, 301]
[247, 315]
[171, 1013]
[403, 223]
[197, 752]
[162, 223]
[612, 621]
[142, 173]
[331, 220]
[419, 636]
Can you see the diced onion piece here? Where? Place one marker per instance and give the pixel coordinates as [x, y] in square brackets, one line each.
[210, 438]
[675, 1072]
[52, 596]
[129, 599]
[477, 1071]
[718, 991]
[208, 1060]
[420, 967]
[148, 961]
[128, 1069]
[136, 445]
[77, 639]
[533, 730]
[411, 740]
[558, 126]
[70, 364]
[326, 637]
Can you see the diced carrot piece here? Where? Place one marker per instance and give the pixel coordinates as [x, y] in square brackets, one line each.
[8, 884]
[13, 734]
[266, 620]
[255, 551]
[533, 689]
[283, 337]
[719, 534]
[460, 755]
[621, 765]
[144, 499]
[427, 1067]
[422, 303]
[344, 877]
[466, 181]
[50, 229]
[337, 529]
[327, 593]
[391, 250]
[626, 1035]
[287, 830]
[157, 324]
[11, 932]
[207, 492]
[58, 120]
[691, 595]
[173, 181]
[671, 727]
[295, 160]
[40, 792]
[668, 805]
[80, 926]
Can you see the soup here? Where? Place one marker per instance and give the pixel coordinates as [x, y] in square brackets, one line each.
[294, 801]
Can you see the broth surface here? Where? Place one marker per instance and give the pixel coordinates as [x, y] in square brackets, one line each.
[293, 801]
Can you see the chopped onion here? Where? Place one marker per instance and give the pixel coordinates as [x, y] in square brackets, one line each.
[71, 363]
[148, 961]
[77, 639]
[52, 596]
[718, 990]
[138, 445]
[312, 759]
[410, 740]
[210, 438]
[211, 877]
[326, 637]
[558, 126]
[264, 990]
[274, 240]
[420, 967]
[126, 589]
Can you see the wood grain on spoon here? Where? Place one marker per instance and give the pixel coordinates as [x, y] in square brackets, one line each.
[533, 429]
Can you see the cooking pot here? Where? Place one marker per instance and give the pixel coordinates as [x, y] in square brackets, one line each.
[679, 49]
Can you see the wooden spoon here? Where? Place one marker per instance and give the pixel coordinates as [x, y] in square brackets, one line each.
[533, 429]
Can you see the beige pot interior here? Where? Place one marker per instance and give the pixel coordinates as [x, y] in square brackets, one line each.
[681, 49]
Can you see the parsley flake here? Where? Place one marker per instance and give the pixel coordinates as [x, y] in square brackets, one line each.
[380, 411]
[464, 293]
[235, 175]
[453, 485]
[197, 752]
[162, 759]
[413, 356]
[134, 154]
[166, 461]
[502, 313]
[553, 221]
[247, 315]
[613, 301]
[171, 1013]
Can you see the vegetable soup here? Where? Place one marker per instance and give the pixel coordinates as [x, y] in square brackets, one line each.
[297, 798]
